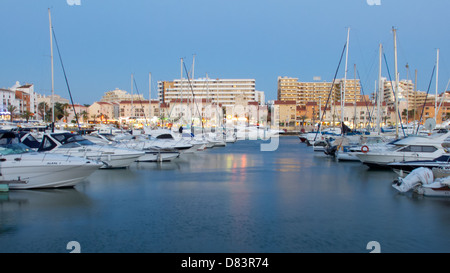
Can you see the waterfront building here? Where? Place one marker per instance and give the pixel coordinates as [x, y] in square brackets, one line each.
[7, 98]
[25, 98]
[284, 113]
[82, 113]
[134, 109]
[103, 111]
[221, 91]
[20, 96]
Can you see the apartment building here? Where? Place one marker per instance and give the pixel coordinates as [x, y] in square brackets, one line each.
[21, 96]
[221, 91]
[291, 89]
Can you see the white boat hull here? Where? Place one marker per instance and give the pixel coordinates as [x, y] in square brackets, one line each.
[382, 159]
[45, 171]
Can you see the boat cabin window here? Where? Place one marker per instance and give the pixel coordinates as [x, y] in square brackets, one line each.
[418, 149]
[8, 140]
[16, 148]
[71, 138]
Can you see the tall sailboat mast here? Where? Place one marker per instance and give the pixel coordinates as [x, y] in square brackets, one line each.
[437, 77]
[51, 57]
[396, 82]
[132, 108]
[345, 83]
[380, 91]
[149, 96]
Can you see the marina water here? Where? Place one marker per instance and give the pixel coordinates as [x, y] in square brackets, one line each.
[234, 199]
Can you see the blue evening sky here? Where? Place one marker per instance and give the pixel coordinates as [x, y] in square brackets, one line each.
[103, 42]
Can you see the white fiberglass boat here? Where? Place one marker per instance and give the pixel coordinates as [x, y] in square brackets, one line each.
[22, 168]
[139, 143]
[76, 145]
[406, 149]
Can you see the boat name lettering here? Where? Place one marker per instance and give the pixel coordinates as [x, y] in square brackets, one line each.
[53, 163]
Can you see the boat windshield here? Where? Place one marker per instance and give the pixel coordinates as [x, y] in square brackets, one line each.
[71, 138]
[16, 148]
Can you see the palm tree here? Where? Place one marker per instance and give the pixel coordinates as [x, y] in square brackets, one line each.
[27, 115]
[11, 110]
[43, 111]
[84, 115]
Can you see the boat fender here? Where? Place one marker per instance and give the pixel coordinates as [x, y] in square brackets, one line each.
[364, 149]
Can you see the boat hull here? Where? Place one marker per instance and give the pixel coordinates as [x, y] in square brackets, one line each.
[381, 160]
[46, 171]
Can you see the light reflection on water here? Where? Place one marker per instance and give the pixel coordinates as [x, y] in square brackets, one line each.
[232, 199]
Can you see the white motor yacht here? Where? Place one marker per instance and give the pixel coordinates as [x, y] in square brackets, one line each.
[139, 143]
[76, 145]
[23, 168]
[406, 149]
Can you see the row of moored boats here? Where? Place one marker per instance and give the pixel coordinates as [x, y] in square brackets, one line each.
[30, 159]
[422, 161]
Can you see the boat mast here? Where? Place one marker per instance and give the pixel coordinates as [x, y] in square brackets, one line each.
[380, 90]
[149, 95]
[132, 110]
[396, 82]
[345, 83]
[407, 94]
[415, 99]
[437, 76]
[51, 57]
[354, 107]
[181, 86]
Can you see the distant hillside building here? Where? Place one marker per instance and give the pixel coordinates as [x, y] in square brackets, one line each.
[118, 95]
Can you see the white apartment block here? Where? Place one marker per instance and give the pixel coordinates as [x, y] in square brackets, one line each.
[7, 98]
[221, 91]
[21, 96]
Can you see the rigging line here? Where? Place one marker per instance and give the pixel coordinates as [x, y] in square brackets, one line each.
[193, 97]
[65, 77]
[140, 101]
[393, 91]
[331, 89]
[364, 98]
[426, 97]
[443, 96]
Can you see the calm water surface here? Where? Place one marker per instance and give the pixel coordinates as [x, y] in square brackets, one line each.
[233, 199]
